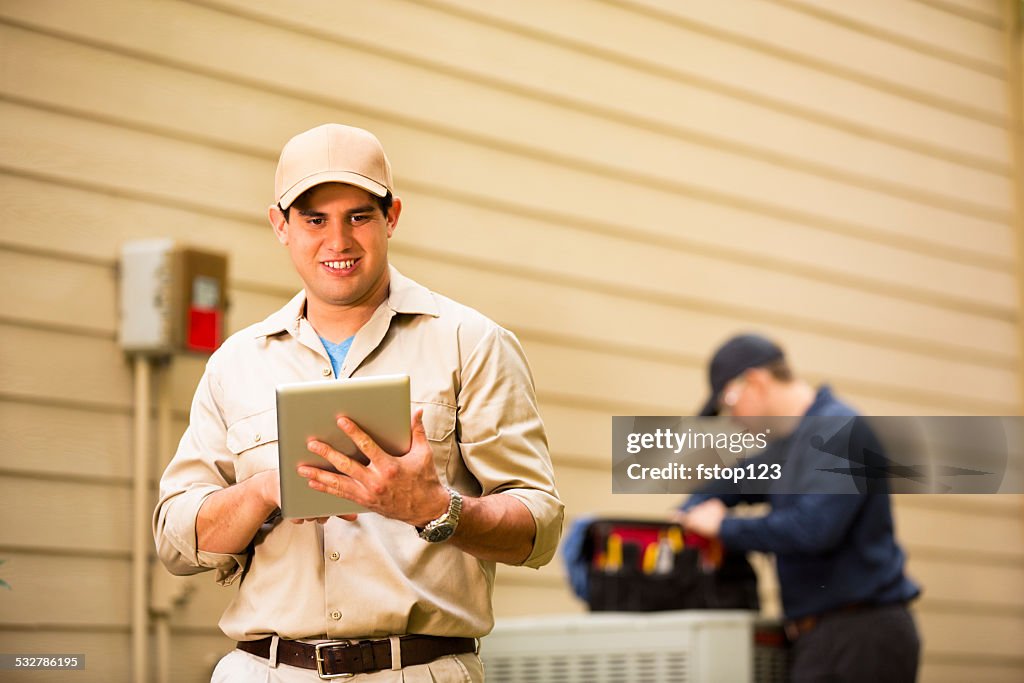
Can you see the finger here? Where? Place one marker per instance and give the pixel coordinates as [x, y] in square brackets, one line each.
[366, 445]
[341, 462]
[303, 520]
[340, 486]
[419, 432]
[326, 477]
[349, 518]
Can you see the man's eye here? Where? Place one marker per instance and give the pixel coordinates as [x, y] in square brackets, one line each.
[317, 221]
[360, 218]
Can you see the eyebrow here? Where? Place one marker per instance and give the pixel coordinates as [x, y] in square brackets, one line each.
[365, 208]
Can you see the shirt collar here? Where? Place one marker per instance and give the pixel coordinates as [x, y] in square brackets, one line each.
[409, 296]
[821, 400]
[404, 296]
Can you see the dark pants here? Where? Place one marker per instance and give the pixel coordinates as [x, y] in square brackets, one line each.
[878, 644]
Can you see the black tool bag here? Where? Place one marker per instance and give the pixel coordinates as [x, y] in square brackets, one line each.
[687, 581]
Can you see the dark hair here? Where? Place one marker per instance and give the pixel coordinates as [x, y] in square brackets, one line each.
[780, 370]
[384, 202]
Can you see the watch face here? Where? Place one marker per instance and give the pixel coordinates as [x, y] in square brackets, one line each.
[440, 533]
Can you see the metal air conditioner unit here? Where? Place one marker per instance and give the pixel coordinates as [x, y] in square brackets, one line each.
[697, 646]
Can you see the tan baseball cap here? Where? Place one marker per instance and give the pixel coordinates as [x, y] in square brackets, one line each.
[331, 153]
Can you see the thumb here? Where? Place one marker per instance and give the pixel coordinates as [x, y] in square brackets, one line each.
[419, 433]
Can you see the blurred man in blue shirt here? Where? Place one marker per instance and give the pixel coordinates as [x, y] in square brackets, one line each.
[844, 590]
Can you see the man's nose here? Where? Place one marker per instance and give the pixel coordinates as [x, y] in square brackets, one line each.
[340, 237]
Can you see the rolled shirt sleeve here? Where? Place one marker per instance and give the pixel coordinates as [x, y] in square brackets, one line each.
[201, 466]
[548, 512]
[502, 438]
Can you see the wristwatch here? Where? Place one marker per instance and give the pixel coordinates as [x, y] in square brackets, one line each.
[442, 528]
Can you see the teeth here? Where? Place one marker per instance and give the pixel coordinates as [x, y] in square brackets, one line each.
[341, 265]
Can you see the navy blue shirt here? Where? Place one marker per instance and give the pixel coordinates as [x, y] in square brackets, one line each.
[831, 550]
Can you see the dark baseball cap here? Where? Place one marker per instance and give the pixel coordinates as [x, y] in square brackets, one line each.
[732, 359]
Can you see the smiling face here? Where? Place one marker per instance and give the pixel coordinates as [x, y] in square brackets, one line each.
[337, 237]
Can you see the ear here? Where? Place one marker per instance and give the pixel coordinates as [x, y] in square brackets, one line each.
[278, 223]
[396, 211]
[759, 378]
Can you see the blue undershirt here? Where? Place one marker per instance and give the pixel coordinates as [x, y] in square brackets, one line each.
[337, 352]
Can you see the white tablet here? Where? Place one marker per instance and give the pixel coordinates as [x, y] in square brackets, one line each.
[379, 405]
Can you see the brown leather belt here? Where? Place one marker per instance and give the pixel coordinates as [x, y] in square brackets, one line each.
[337, 659]
[798, 627]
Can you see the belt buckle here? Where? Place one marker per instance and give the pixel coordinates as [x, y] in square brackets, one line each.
[320, 660]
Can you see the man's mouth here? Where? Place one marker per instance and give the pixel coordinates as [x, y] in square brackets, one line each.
[340, 266]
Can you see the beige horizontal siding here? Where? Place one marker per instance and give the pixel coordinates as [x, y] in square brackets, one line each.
[973, 584]
[986, 12]
[91, 444]
[996, 637]
[919, 27]
[959, 669]
[992, 535]
[681, 52]
[835, 49]
[658, 174]
[490, 112]
[54, 514]
[95, 599]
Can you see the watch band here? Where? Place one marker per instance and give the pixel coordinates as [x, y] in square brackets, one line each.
[442, 528]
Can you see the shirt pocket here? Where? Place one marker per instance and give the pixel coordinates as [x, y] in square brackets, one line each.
[439, 426]
[253, 440]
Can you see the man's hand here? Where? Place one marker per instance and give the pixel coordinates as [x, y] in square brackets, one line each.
[496, 527]
[705, 519]
[229, 518]
[405, 488]
[269, 482]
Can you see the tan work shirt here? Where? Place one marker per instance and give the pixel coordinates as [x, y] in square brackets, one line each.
[375, 576]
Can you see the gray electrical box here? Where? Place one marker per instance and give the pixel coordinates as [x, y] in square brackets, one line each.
[172, 298]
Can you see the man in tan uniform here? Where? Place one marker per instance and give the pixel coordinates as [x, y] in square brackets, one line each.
[402, 592]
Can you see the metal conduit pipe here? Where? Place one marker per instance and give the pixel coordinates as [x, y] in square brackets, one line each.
[141, 513]
[162, 617]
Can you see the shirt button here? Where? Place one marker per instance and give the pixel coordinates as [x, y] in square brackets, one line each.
[335, 615]
[258, 437]
[335, 556]
[327, 372]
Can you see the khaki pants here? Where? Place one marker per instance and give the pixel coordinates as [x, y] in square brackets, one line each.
[242, 667]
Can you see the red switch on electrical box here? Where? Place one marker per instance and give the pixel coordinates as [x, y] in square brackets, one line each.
[204, 315]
